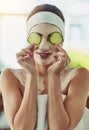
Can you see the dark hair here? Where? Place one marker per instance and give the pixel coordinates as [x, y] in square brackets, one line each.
[47, 7]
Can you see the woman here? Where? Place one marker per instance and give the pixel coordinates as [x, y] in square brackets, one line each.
[32, 96]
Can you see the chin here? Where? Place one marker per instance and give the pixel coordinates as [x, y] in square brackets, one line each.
[43, 61]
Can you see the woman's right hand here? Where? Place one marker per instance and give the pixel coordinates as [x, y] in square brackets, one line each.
[26, 60]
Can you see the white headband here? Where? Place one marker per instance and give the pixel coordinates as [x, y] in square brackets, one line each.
[45, 17]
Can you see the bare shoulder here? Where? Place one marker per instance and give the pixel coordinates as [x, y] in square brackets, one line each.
[8, 73]
[10, 77]
[78, 77]
[76, 80]
[72, 73]
[79, 85]
[83, 70]
[82, 76]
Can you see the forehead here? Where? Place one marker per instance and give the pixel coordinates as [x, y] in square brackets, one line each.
[44, 28]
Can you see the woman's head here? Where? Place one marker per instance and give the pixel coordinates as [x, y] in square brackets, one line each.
[46, 14]
[45, 28]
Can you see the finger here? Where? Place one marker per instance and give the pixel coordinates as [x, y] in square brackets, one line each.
[23, 60]
[20, 59]
[60, 55]
[28, 52]
[59, 48]
[64, 54]
[30, 47]
[22, 53]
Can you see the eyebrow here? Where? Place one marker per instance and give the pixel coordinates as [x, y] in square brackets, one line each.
[48, 34]
[37, 33]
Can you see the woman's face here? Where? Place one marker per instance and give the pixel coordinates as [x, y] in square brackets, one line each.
[45, 50]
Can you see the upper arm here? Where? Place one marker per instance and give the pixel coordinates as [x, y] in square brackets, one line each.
[76, 99]
[11, 94]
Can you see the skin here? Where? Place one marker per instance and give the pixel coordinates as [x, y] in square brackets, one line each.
[21, 86]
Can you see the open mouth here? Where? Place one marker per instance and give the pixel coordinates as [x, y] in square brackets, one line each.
[44, 55]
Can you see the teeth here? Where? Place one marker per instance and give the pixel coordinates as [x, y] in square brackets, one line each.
[43, 54]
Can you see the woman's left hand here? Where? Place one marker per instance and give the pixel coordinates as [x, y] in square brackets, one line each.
[61, 60]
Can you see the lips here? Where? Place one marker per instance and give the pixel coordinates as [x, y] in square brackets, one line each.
[44, 55]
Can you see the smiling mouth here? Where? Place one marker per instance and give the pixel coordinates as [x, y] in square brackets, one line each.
[44, 55]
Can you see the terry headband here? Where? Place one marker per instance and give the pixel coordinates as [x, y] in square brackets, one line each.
[45, 17]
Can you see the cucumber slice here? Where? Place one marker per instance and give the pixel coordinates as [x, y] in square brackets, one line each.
[34, 38]
[56, 38]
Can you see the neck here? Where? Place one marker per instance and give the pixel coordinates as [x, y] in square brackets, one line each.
[41, 70]
[42, 79]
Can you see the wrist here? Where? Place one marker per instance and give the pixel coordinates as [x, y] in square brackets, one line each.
[31, 76]
[52, 73]
[52, 76]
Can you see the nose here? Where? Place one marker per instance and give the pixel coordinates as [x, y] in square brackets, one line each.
[44, 45]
